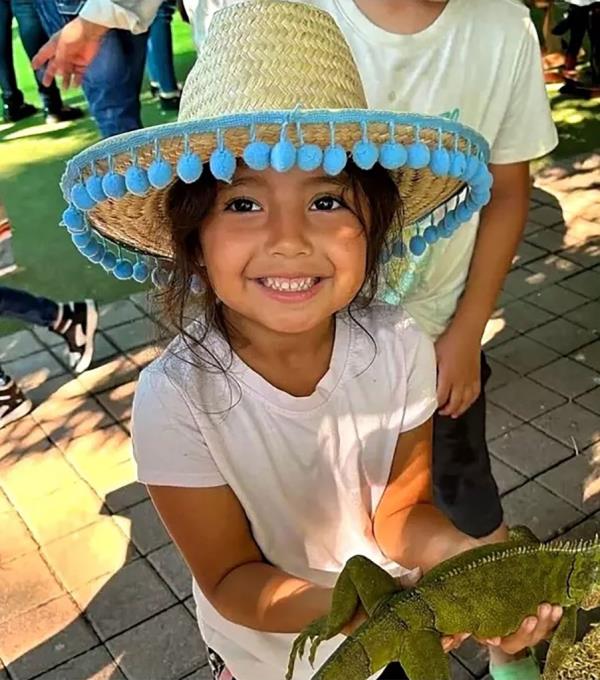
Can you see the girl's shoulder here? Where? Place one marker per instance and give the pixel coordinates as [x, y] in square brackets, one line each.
[382, 319]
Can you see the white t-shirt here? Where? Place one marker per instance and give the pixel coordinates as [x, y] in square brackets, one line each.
[478, 63]
[308, 471]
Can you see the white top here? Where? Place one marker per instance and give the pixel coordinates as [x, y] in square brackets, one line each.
[308, 471]
[479, 63]
[582, 3]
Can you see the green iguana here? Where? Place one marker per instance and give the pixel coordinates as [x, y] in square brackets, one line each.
[582, 661]
[487, 592]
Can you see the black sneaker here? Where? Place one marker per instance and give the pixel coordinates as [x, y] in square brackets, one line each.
[13, 403]
[62, 114]
[77, 323]
[13, 113]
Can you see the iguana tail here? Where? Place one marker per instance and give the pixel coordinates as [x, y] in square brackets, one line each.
[349, 661]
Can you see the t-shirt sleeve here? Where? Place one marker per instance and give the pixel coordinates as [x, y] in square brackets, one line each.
[527, 130]
[168, 446]
[421, 375]
[129, 15]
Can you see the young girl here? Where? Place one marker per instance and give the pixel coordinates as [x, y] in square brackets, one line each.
[288, 426]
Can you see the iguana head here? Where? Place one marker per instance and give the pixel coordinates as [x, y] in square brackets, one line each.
[584, 580]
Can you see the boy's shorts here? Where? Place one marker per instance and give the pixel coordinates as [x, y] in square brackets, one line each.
[463, 485]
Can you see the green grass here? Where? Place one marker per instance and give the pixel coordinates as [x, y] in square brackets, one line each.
[32, 158]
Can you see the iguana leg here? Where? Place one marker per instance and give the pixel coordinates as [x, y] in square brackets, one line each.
[360, 582]
[522, 534]
[423, 657]
[562, 640]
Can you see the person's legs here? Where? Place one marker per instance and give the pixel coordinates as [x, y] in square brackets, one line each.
[463, 485]
[161, 70]
[113, 82]
[578, 20]
[594, 35]
[13, 403]
[21, 305]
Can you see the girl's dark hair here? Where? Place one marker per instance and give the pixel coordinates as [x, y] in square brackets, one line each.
[187, 205]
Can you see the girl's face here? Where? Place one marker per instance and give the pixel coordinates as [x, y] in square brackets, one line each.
[285, 250]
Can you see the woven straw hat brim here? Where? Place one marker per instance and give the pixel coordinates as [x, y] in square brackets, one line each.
[138, 222]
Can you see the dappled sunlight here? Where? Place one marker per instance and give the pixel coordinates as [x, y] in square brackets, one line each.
[493, 328]
[591, 485]
[35, 130]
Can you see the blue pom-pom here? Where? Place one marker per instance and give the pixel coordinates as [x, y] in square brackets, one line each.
[160, 173]
[81, 198]
[334, 160]
[189, 168]
[385, 255]
[98, 255]
[91, 249]
[160, 277]
[113, 185]
[472, 168]
[443, 229]
[310, 157]
[123, 270]
[483, 178]
[73, 220]
[481, 197]
[431, 235]
[140, 272]
[222, 164]
[399, 249]
[136, 180]
[392, 155]
[283, 156]
[82, 239]
[464, 212]
[417, 245]
[93, 184]
[109, 261]
[365, 154]
[458, 164]
[418, 156]
[257, 155]
[440, 162]
[451, 222]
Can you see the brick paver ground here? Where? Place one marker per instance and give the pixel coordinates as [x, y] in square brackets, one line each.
[91, 587]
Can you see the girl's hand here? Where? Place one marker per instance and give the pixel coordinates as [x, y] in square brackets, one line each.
[533, 630]
[458, 353]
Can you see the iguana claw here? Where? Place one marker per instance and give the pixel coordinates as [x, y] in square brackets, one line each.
[314, 633]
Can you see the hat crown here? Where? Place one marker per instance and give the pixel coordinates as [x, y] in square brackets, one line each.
[265, 55]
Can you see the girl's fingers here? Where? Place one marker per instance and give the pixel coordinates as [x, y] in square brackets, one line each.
[455, 400]
[533, 630]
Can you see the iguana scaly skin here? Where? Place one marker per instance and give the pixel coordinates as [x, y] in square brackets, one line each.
[487, 592]
[582, 661]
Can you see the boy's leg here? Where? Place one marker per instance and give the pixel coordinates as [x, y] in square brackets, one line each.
[463, 485]
[13, 403]
[21, 305]
[160, 65]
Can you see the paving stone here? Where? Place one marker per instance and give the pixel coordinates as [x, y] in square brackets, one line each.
[16, 539]
[21, 440]
[521, 282]
[190, 605]
[523, 355]
[554, 268]
[496, 332]
[568, 480]
[556, 299]
[115, 602]
[586, 530]
[19, 345]
[506, 477]
[117, 313]
[27, 583]
[142, 356]
[473, 656]
[62, 387]
[585, 254]
[501, 375]
[585, 283]
[126, 496]
[546, 215]
[170, 565]
[546, 240]
[587, 315]
[528, 450]
[527, 252]
[525, 398]
[567, 377]
[103, 350]
[571, 423]
[145, 528]
[47, 337]
[522, 315]
[97, 664]
[118, 401]
[115, 372]
[62, 512]
[532, 228]
[102, 548]
[143, 300]
[589, 355]
[134, 334]
[5, 504]
[203, 673]
[167, 646]
[543, 512]
[499, 421]
[43, 638]
[31, 371]
[562, 335]
[591, 400]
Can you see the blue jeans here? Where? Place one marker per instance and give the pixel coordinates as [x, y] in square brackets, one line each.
[33, 36]
[160, 49]
[113, 81]
[18, 304]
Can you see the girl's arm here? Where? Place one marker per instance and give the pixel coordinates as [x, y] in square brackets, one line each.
[409, 529]
[211, 530]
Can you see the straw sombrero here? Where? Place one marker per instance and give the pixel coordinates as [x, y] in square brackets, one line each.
[274, 84]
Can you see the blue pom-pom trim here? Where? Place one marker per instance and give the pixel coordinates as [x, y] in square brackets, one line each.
[440, 162]
[283, 156]
[458, 164]
[73, 220]
[189, 168]
[140, 272]
[114, 185]
[393, 155]
[431, 235]
[136, 181]
[160, 173]
[309, 157]
[417, 245]
[399, 249]
[365, 154]
[81, 198]
[222, 164]
[334, 160]
[93, 184]
[82, 239]
[123, 270]
[109, 261]
[257, 155]
[418, 156]
[98, 255]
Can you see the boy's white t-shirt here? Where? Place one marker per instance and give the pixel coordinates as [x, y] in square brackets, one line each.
[308, 471]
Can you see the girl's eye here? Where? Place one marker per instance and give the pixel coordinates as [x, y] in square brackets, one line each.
[327, 203]
[242, 205]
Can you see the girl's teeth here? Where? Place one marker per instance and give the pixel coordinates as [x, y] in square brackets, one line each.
[293, 285]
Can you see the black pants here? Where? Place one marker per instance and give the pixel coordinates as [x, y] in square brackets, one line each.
[463, 485]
